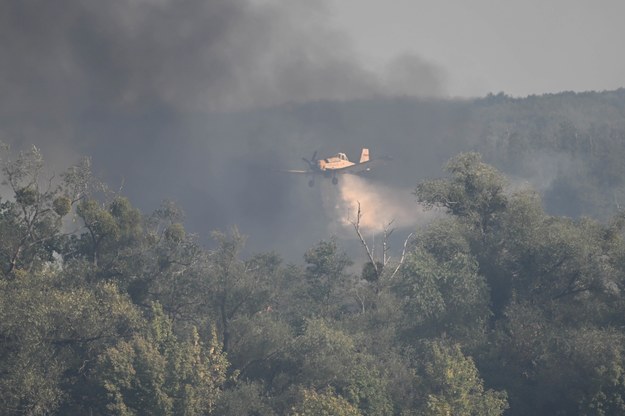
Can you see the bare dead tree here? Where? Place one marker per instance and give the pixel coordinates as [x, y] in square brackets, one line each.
[356, 224]
[386, 258]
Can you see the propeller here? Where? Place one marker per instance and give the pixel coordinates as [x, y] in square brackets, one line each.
[312, 163]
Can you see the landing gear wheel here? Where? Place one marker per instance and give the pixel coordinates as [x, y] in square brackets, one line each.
[335, 180]
[311, 183]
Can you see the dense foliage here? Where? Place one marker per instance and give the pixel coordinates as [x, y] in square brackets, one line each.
[496, 307]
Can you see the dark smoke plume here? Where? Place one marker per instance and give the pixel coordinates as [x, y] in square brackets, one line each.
[193, 100]
[69, 57]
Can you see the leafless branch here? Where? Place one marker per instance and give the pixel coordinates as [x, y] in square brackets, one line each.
[385, 247]
[356, 224]
[403, 256]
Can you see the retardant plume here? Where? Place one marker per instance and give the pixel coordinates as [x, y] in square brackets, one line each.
[380, 205]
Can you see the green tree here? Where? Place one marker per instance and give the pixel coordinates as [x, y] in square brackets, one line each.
[156, 373]
[323, 404]
[323, 357]
[564, 369]
[170, 267]
[236, 288]
[244, 399]
[326, 278]
[258, 345]
[474, 192]
[101, 228]
[442, 297]
[52, 330]
[453, 384]
[30, 223]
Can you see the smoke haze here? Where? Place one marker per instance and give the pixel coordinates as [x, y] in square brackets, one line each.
[201, 101]
[70, 57]
[164, 95]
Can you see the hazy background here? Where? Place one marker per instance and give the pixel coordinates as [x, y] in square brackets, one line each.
[200, 101]
[519, 47]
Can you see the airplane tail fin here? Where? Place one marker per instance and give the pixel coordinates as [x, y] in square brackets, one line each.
[364, 155]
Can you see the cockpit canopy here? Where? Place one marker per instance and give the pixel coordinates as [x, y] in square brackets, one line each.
[337, 158]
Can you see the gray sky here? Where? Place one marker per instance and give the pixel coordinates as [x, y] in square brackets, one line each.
[519, 47]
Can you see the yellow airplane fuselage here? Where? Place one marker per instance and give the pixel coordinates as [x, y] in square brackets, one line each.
[337, 162]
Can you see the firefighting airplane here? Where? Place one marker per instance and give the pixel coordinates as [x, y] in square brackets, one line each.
[335, 165]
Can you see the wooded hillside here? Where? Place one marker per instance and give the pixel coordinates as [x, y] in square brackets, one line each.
[495, 306]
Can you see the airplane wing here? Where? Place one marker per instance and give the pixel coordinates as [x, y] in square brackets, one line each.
[308, 172]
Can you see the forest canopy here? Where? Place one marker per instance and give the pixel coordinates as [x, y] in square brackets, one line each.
[494, 307]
